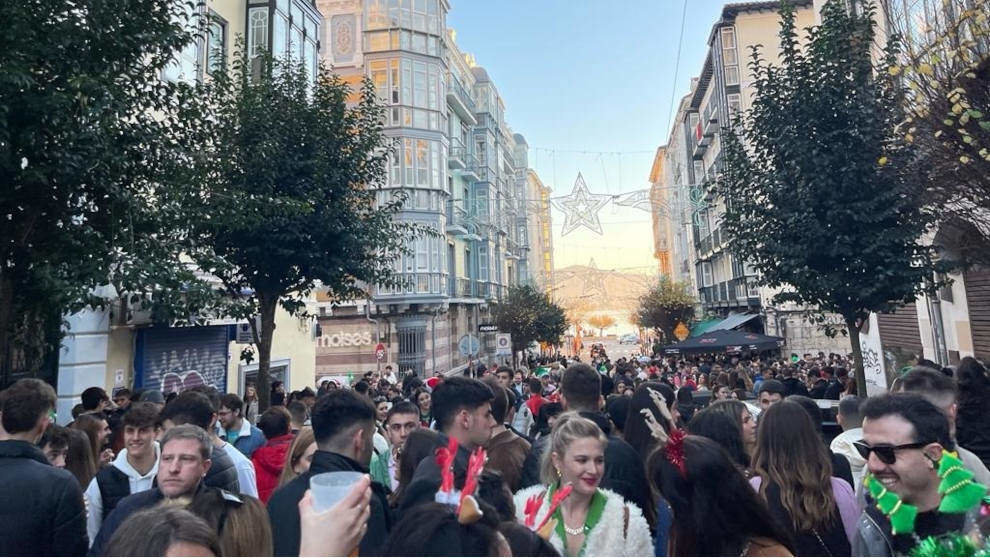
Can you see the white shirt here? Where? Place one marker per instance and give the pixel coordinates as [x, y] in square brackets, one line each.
[843, 445]
[138, 482]
[245, 470]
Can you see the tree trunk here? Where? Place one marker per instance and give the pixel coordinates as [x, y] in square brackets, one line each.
[857, 352]
[267, 305]
[6, 317]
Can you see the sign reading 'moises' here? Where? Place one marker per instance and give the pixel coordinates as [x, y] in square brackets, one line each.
[341, 339]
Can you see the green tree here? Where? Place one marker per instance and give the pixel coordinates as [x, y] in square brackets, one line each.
[529, 315]
[817, 185]
[666, 304]
[290, 173]
[87, 130]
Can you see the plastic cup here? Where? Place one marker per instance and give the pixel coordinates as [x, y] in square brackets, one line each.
[330, 488]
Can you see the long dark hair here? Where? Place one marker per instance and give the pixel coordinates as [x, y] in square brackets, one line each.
[716, 511]
[92, 426]
[433, 530]
[79, 457]
[720, 428]
[790, 454]
[637, 433]
[420, 444]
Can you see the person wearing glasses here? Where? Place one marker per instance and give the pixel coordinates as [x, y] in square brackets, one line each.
[904, 435]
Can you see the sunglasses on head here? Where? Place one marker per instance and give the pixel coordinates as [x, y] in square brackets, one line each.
[886, 454]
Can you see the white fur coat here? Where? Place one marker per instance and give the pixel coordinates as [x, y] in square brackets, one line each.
[606, 538]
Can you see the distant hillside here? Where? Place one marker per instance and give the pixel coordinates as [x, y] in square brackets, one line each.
[600, 290]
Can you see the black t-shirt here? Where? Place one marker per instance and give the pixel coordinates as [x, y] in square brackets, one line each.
[927, 524]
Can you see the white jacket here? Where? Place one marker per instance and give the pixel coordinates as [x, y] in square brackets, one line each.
[139, 483]
[611, 536]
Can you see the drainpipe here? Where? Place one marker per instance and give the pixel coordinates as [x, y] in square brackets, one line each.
[367, 315]
[938, 328]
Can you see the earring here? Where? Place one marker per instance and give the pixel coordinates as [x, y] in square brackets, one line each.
[558, 472]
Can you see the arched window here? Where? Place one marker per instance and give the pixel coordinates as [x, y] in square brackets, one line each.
[257, 31]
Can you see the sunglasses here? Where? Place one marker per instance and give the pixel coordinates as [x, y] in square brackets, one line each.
[886, 454]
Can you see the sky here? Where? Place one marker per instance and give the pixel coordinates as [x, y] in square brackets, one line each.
[593, 76]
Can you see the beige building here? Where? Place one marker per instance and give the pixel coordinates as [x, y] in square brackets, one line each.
[539, 230]
[726, 284]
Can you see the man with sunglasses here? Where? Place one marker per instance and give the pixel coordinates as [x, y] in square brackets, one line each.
[903, 438]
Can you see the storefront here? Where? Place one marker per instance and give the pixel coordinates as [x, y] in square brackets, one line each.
[177, 358]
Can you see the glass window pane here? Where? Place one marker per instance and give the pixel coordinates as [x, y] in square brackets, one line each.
[280, 36]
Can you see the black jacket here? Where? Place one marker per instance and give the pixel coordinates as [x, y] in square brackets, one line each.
[222, 473]
[794, 386]
[283, 507]
[41, 507]
[426, 480]
[125, 508]
[625, 473]
[834, 390]
[973, 422]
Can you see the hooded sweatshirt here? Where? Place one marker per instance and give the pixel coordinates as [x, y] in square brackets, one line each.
[138, 482]
[268, 461]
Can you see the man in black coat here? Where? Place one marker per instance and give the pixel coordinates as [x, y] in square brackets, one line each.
[462, 408]
[625, 474]
[41, 507]
[344, 428]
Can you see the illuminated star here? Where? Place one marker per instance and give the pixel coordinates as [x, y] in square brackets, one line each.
[580, 208]
[594, 280]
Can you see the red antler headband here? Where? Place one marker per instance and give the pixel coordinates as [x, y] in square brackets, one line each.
[674, 451]
[467, 508]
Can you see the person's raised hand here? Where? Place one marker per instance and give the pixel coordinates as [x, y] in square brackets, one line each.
[338, 530]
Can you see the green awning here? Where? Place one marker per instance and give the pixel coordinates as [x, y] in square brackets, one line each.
[702, 327]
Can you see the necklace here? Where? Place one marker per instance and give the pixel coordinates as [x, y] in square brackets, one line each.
[573, 532]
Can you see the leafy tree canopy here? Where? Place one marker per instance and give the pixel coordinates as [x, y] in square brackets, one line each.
[87, 129]
[529, 315]
[666, 304]
[288, 173]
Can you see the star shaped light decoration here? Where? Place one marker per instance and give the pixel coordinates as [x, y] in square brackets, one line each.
[640, 199]
[580, 208]
[594, 280]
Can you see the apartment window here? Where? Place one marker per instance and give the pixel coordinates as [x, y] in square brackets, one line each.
[280, 36]
[699, 172]
[257, 31]
[186, 63]
[216, 45]
[730, 58]
[735, 104]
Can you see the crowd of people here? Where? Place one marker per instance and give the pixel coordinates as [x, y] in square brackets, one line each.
[712, 456]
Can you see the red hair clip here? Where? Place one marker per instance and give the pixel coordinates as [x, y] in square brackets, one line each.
[674, 450]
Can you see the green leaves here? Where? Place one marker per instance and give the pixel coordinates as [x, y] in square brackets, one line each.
[666, 304]
[529, 315]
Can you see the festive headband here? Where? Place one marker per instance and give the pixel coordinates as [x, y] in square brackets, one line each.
[545, 528]
[467, 509]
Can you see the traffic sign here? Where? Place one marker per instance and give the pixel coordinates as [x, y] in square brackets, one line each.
[380, 352]
[503, 344]
[487, 328]
[468, 345]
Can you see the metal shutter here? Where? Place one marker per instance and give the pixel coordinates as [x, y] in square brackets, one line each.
[978, 300]
[174, 359]
[900, 330]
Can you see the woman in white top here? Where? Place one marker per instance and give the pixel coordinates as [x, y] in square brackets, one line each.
[592, 521]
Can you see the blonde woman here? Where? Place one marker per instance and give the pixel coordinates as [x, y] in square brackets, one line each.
[592, 521]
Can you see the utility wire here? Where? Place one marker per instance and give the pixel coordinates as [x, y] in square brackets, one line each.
[677, 65]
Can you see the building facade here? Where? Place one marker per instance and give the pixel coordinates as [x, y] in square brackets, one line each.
[727, 284]
[540, 258]
[464, 173]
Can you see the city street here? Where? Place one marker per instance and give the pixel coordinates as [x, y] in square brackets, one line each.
[323, 278]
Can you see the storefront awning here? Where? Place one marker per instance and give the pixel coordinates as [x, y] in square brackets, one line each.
[701, 327]
[733, 321]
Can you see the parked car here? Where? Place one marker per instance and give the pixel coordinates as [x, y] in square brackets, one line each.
[629, 339]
